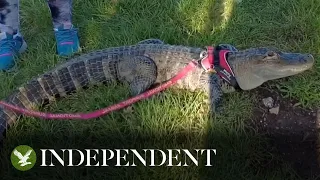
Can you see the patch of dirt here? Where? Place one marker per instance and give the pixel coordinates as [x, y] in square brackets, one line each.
[292, 130]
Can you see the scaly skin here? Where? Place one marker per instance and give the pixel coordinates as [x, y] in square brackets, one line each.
[149, 62]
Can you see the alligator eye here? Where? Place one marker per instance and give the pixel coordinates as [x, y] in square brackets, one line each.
[271, 53]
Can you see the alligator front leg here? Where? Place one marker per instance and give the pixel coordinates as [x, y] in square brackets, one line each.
[215, 93]
[211, 83]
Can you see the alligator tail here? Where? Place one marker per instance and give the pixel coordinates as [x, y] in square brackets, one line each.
[139, 72]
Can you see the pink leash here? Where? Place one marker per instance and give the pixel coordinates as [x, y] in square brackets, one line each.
[82, 116]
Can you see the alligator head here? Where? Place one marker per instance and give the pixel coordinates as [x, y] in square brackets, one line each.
[253, 67]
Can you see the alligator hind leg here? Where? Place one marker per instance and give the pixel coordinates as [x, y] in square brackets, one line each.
[151, 41]
[140, 72]
[211, 83]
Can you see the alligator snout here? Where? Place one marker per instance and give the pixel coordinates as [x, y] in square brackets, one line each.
[307, 58]
[304, 61]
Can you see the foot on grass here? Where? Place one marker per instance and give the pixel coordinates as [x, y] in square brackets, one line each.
[67, 40]
[11, 46]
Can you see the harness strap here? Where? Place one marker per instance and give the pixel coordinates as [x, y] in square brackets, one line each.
[223, 68]
[216, 62]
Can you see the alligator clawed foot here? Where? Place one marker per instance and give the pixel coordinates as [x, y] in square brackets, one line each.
[218, 110]
[140, 72]
[128, 109]
[216, 107]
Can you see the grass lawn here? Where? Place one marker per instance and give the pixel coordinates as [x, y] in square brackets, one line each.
[178, 119]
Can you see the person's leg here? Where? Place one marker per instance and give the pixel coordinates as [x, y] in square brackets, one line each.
[65, 33]
[11, 41]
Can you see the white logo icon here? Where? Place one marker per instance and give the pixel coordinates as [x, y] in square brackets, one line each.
[23, 159]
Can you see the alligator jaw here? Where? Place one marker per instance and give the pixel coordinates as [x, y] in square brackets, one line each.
[255, 66]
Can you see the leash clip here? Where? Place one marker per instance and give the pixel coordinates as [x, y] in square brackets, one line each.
[206, 60]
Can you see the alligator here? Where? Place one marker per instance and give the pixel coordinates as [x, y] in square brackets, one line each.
[151, 62]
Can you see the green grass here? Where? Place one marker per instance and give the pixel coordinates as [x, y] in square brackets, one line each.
[177, 119]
